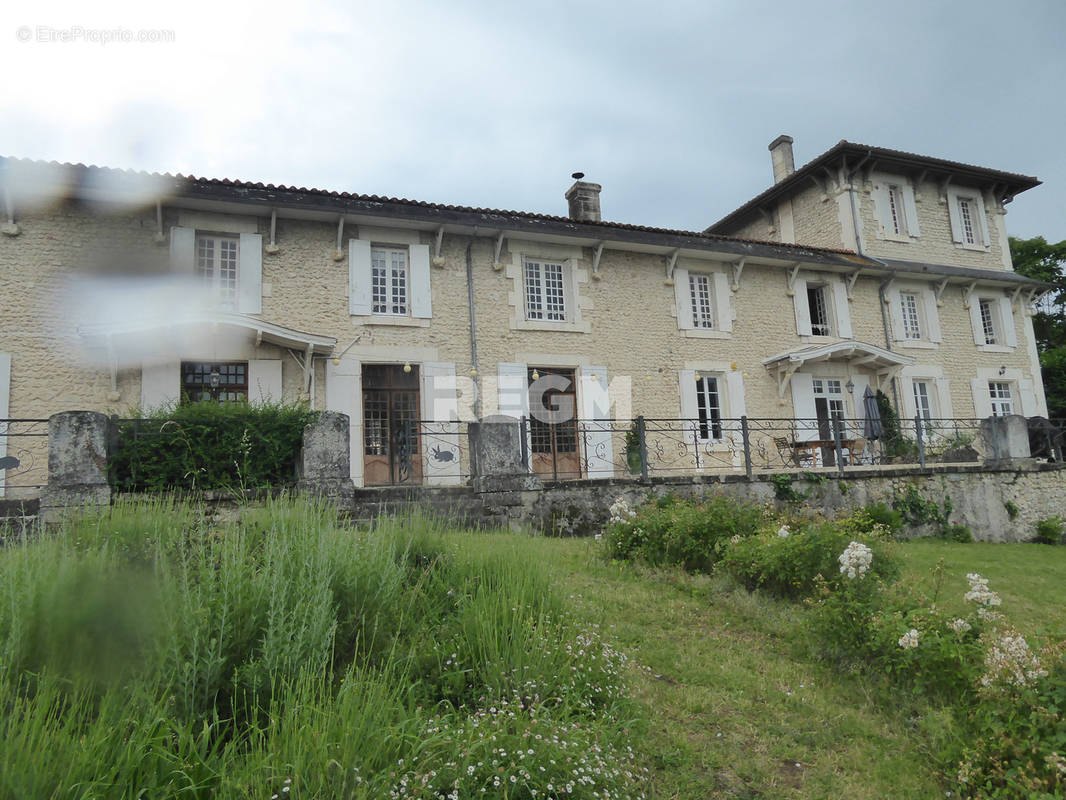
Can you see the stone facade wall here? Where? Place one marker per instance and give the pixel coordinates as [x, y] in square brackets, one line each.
[628, 310]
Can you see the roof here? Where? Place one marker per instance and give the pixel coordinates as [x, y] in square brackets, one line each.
[855, 155]
[103, 183]
[870, 355]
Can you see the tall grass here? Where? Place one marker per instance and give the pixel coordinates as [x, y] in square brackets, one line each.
[148, 652]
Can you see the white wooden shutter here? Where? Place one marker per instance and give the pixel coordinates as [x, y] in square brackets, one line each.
[1028, 397]
[803, 310]
[421, 290]
[596, 430]
[513, 389]
[264, 380]
[982, 402]
[735, 409]
[910, 209]
[722, 294]
[932, 316]
[895, 313]
[683, 299]
[344, 393]
[5, 409]
[882, 208]
[975, 320]
[803, 407]
[160, 384]
[689, 408]
[841, 307]
[1006, 317]
[182, 250]
[982, 218]
[906, 396]
[955, 218]
[944, 409]
[360, 278]
[440, 431]
[250, 274]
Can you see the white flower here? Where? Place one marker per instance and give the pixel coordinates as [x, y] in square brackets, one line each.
[856, 559]
[783, 532]
[734, 539]
[909, 640]
[980, 593]
[1009, 660]
[960, 626]
[620, 511]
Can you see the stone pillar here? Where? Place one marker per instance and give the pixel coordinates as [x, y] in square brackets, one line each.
[502, 476]
[1005, 438]
[496, 443]
[325, 461]
[77, 465]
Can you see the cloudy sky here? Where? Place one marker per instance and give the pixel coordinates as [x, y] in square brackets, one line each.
[669, 105]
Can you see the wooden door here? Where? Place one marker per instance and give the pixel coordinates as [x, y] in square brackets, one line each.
[392, 448]
[553, 430]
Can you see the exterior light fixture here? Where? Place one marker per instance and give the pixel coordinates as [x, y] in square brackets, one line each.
[407, 367]
[214, 379]
[535, 376]
[1002, 371]
[473, 372]
[850, 386]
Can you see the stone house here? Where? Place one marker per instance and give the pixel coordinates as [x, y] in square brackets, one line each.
[866, 267]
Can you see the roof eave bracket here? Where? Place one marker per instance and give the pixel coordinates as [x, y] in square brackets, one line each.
[501, 237]
[737, 268]
[438, 240]
[596, 254]
[671, 264]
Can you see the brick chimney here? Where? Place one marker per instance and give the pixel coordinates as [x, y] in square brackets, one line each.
[584, 200]
[781, 156]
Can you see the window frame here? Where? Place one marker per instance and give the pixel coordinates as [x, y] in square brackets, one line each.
[997, 401]
[895, 207]
[823, 290]
[925, 410]
[705, 319]
[226, 296]
[189, 367]
[979, 229]
[575, 278]
[914, 314]
[992, 322]
[541, 284]
[390, 286]
[709, 418]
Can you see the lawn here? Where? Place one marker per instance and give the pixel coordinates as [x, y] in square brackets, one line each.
[454, 643]
[1029, 578]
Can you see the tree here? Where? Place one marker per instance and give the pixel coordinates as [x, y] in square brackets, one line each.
[1038, 259]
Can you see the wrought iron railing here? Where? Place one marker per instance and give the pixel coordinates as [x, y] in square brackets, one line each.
[23, 454]
[658, 446]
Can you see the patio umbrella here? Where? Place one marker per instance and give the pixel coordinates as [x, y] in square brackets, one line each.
[871, 428]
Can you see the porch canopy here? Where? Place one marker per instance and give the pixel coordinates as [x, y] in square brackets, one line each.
[879, 363]
[126, 343]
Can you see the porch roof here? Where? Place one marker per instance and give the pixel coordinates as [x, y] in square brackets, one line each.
[881, 362]
[269, 332]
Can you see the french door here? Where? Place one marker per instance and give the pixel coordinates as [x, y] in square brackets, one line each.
[392, 452]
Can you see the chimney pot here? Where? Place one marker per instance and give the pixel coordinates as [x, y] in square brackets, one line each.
[781, 157]
[584, 200]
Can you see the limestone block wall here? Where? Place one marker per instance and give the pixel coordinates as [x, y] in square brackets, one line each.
[628, 313]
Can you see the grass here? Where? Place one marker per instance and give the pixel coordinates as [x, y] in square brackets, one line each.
[279, 648]
[736, 708]
[1028, 577]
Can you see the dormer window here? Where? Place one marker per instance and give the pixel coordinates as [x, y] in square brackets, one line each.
[895, 208]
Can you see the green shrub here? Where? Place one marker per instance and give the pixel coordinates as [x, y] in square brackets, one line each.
[882, 514]
[958, 533]
[793, 566]
[209, 446]
[1017, 747]
[1050, 530]
[689, 533]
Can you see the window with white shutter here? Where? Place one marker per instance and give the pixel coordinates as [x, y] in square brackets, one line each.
[389, 283]
[969, 223]
[894, 208]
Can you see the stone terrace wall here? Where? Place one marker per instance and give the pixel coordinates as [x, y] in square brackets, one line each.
[979, 495]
